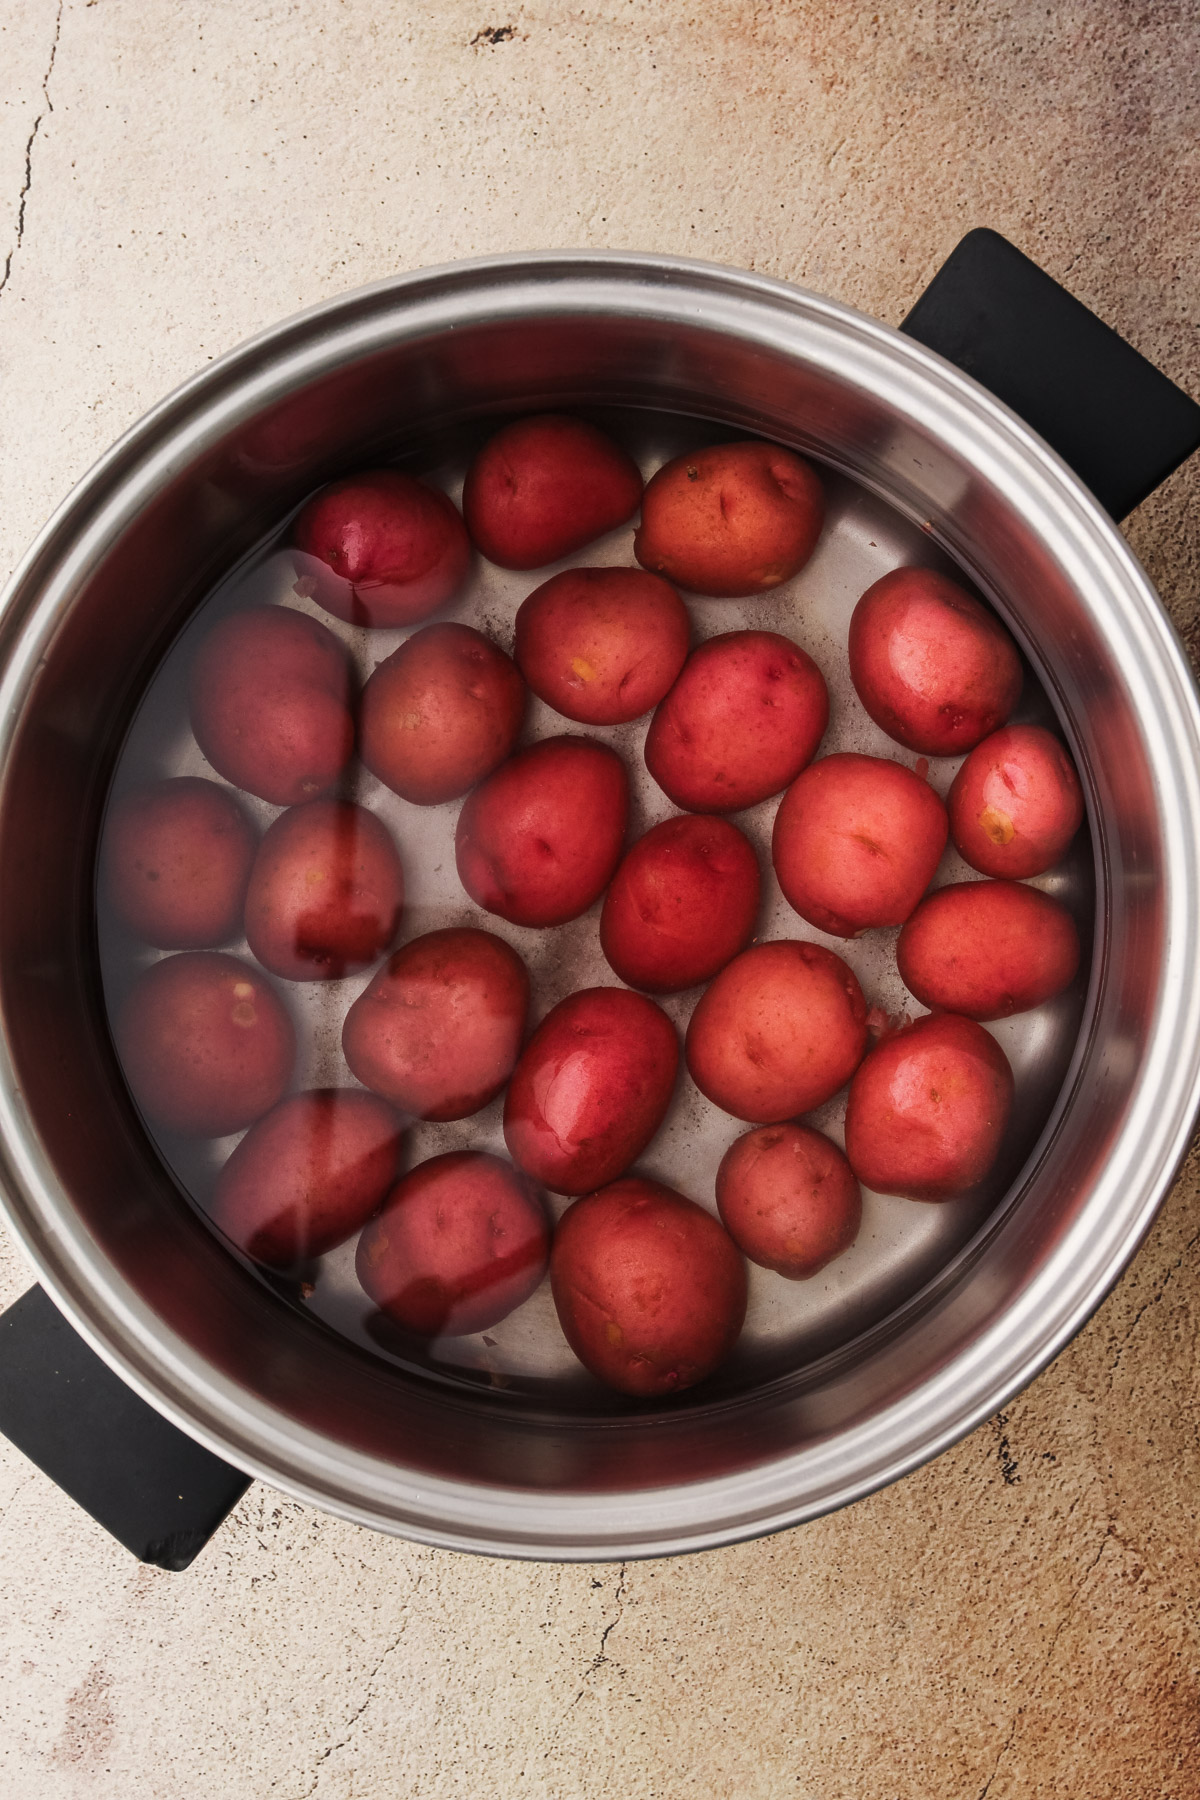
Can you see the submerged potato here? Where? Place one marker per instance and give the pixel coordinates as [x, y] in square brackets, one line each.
[591, 1089]
[385, 548]
[650, 1291]
[601, 645]
[205, 1043]
[988, 949]
[305, 1177]
[682, 903]
[439, 1029]
[176, 858]
[928, 1109]
[460, 1243]
[546, 486]
[789, 1199]
[730, 520]
[326, 892]
[1016, 803]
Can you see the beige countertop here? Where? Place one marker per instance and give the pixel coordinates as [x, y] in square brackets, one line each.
[1018, 1619]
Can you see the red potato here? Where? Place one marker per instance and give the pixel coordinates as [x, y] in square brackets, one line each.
[780, 1030]
[932, 665]
[442, 712]
[745, 716]
[538, 841]
[591, 1089]
[601, 645]
[270, 697]
[682, 903]
[928, 1109]
[206, 1044]
[461, 1242]
[789, 1199]
[388, 549]
[176, 858]
[439, 1030]
[733, 519]
[856, 842]
[308, 1175]
[326, 892]
[649, 1290]
[545, 486]
[1016, 803]
[988, 949]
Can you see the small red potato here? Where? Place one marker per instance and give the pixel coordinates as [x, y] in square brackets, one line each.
[734, 519]
[538, 841]
[1016, 803]
[931, 665]
[439, 1030]
[270, 697]
[856, 842]
[650, 1291]
[745, 716]
[442, 712]
[389, 549]
[780, 1030]
[206, 1044]
[591, 1089]
[988, 949]
[461, 1242]
[682, 903]
[326, 892]
[928, 1108]
[308, 1175]
[546, 486]
[176, 860]
[601, 645]
[789, 1199]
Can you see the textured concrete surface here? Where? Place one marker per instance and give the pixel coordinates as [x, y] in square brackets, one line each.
[1021, 1618]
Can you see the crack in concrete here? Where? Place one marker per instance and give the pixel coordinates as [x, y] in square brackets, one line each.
[1153, 1300]
[1068, 1609]
[23, 196]
[600, 1658]
[352, 1721]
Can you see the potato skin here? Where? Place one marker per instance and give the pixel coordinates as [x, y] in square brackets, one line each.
[788, 1199]
[460, 1243]
[439, 1030]
[780, 1030]
[388, 549]
[649, 1290]
[440, 713]
[591, 1089]
[206, 1044]
[745, 716]
[270, 696]
[931, 665]
[928, 1109]
[176, 858]
[305, 1177]
[682, 903]
[601, 645]
[1016, 803]
[988, 949]
[538, 841]
[734, 519]
[545, 486]
[856, 842]
[326, 892]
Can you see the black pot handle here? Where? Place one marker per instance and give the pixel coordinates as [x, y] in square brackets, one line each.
[154, 1488]
[1120, 424]
[1123, 428]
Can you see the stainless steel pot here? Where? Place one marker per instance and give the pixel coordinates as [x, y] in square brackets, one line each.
[98, 601]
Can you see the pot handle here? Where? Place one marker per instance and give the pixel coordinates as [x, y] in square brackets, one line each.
[1120, 424]
[155, 1489]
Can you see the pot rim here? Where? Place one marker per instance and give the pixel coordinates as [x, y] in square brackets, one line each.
[1165, 1097]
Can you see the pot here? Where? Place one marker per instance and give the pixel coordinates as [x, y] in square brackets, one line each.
[410, 362]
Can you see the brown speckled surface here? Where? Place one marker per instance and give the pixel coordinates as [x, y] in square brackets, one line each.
[1020, 1619]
